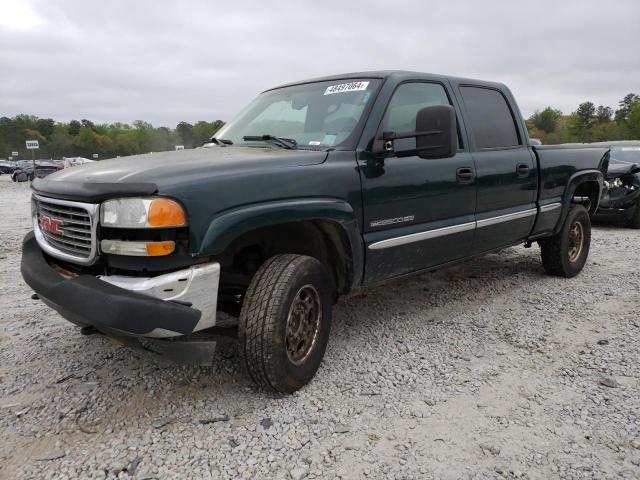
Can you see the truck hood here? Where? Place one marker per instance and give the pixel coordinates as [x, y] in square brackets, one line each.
[165, 168]
[167, 171]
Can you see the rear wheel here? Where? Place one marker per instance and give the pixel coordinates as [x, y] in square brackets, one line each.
[285, 321]
[565, 253]
[634, 222]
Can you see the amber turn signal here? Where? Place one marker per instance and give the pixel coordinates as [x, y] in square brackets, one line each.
[164, 212]
[158, 249]
[138, 249]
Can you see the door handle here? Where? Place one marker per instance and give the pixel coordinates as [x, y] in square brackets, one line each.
[522, 170]
[465, 175]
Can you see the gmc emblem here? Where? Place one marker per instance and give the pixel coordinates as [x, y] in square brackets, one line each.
[51, 225]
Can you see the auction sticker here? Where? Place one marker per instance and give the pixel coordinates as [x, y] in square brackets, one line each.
[346, 87]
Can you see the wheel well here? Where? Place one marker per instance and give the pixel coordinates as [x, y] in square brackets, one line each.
[588, 194]
[326, 241]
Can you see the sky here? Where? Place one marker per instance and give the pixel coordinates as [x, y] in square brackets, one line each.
[169, 61]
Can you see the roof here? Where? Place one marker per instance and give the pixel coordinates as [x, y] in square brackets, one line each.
[398, 75]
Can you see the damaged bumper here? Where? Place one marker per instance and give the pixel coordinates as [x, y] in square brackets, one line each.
[169, 305]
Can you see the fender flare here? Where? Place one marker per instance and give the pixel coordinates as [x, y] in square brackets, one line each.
[577, 179]
[231, 224]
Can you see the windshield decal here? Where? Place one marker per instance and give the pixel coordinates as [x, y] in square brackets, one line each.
[346, 87]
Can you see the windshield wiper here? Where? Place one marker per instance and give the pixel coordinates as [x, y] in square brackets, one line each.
[281, 142]
[220, 141]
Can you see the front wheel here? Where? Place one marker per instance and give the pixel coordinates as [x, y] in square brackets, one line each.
[285, 321]
[565, 253]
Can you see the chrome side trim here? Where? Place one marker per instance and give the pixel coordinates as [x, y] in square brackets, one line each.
[550, 207]
[92, 210]
[506, 218]
[416, 237]
[463, 227]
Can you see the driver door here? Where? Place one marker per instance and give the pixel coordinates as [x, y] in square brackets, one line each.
[418, 213]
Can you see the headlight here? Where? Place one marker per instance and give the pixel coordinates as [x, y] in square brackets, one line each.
[142, 213]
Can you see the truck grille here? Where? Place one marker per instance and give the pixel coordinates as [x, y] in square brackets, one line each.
[65, 229]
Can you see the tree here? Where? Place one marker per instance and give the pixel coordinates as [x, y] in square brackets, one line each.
[203, 131]
[585, 114]
[45, 126]
[634, 119]
[603, 114]
[546, 120]
[60, 142]
[84, 138]
[74, 127]
[622, 114]
[185, 132]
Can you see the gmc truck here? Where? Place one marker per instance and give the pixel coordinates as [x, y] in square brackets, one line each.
[317, 189]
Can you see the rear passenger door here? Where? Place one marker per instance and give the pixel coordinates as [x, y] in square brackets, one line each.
[506, 172]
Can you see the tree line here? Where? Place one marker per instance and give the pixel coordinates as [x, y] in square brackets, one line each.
[588, 123]
[83, 138]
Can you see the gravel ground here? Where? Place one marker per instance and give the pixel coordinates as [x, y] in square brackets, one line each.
[486, 370]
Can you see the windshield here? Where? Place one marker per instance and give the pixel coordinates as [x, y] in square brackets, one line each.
[321, 114]
[629, 154]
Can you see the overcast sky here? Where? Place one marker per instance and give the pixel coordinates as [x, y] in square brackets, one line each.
[167, 61]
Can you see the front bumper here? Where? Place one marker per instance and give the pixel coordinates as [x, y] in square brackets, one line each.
[169, 305]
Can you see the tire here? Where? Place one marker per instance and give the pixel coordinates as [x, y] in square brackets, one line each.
[282, 286]
[561, 256]
[634, 222]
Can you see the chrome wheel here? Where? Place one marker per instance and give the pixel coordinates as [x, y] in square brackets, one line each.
[576, 241]
[303, 323]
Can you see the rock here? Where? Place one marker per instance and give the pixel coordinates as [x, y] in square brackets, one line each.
[147, 476]
[266, 423]
[162, 421]
[608, 382]
[51, 455]
[220, 418]
[487, 447]
[133, 466]
[604, 341]
[430, 402]
[341, 428]
[298, 473]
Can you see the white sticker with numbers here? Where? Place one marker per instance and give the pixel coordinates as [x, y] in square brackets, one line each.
[346, 87]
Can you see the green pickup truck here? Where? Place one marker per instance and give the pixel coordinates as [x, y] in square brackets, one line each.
[318, 188]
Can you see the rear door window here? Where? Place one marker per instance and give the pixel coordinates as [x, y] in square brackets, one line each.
[490, 118]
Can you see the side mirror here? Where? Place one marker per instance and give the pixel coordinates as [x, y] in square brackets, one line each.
[437, 132]
[436, 135]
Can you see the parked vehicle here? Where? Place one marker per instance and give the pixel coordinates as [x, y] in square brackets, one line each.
[620, 201]
[75, 161]
[317, 189]
[24, 172]
[7, 167]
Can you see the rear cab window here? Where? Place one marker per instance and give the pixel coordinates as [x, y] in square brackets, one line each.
[489, 118]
